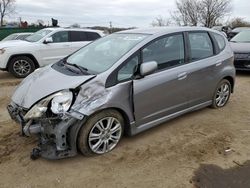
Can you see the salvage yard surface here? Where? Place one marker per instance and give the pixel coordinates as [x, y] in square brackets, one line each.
[165, 156]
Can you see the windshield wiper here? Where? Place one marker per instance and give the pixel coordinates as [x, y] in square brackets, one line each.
[82, 69]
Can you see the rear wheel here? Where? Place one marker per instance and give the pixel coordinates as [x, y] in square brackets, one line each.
[101, 133]
[21, 66]
[222, 94]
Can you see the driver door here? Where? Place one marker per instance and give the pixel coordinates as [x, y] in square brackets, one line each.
[164, 92]
[56, 50]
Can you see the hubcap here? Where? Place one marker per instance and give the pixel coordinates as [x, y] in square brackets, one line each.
[222, 95]
[22, 67]
[105, 135]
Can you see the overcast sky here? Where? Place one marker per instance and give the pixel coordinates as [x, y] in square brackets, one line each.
[122, 13]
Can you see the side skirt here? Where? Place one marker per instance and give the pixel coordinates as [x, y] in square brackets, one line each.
[135, 129]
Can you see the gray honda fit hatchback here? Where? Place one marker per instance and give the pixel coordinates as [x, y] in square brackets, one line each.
[126, 82]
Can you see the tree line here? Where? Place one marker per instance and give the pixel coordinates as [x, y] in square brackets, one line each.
[207, 13]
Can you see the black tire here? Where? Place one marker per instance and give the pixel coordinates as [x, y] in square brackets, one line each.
[87, 128]
[216, 96]
[25, 64]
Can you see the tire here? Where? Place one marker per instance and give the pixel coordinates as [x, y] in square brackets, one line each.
[96, 138]
[220, 98]
[21, 66]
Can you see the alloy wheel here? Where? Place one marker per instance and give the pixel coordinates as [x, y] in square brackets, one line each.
[222, 95]
[105, 135]
[22, 67]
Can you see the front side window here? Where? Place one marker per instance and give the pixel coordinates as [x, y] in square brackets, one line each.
[128, 70]
[201, 46]
[167, 52]
[61, 36]
[102, 54]
[38, 35]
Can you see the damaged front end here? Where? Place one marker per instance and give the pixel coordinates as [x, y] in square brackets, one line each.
[53, 122]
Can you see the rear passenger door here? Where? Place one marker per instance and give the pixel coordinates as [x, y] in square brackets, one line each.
[79, 39]
[204, 64]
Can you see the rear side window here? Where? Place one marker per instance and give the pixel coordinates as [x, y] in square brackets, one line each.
[220, 40]
[92, 36]
[77, 36]
[201, 46]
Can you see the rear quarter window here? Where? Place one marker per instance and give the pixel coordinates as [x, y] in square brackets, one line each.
[220, 41]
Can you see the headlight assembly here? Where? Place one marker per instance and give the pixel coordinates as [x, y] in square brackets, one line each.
[60, 103]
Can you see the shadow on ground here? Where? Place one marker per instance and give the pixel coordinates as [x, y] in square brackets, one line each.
[211, 176]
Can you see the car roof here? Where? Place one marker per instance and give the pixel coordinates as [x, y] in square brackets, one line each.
[72, 29]
[24, 33]
[164, 30]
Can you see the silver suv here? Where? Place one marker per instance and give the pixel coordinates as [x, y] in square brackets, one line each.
[126, 82]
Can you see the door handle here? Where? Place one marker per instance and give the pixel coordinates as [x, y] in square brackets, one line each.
[218, 63]
[182, 76]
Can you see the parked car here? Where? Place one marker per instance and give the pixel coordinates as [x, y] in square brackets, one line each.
[224, 29]
[126, 82]
[241, 47]
[236, 30]
[42, 48]
[17, 36]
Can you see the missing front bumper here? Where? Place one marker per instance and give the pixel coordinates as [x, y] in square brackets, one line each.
[56, 137]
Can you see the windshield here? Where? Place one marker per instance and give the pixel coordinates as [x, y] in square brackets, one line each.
[239, 29]
[102, 54]
[38, 35]
[10, 37]
[243, 36]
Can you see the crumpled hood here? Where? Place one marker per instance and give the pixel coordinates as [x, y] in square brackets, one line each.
[43, 83]
[14, 43]
[240, 47]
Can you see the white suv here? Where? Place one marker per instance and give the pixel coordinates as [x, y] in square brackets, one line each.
[42, 48]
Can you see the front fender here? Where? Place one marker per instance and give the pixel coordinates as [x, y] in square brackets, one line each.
[94, 97]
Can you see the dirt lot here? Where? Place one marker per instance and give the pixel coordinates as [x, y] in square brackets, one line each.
[166, 156]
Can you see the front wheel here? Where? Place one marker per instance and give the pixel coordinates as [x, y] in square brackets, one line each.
[21, 66]
[222, 94]
[101, 133]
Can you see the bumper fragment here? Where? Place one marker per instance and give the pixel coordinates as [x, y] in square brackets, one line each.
[57, 137]
[242, 64]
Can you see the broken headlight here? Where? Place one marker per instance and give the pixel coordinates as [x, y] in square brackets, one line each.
[60, 103]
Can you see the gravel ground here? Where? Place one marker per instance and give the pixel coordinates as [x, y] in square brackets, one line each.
[165, 156]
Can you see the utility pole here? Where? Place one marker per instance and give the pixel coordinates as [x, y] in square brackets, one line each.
[20, 21]
[110, 26]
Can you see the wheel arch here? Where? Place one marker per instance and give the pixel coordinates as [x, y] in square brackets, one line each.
[32, 57]
[120, 111]
[231, 80]
[75, 130]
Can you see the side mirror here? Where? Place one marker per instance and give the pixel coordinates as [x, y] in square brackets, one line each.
[148, 68]
[48, 40]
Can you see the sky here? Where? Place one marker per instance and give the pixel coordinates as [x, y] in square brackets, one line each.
[122, 13]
